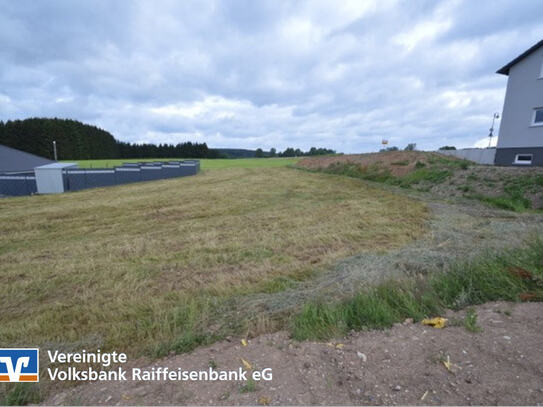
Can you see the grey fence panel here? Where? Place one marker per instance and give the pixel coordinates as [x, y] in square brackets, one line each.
[17, 185]
[126, 175]
[188, 169]
[31, 185]
[76, 180]
[151, 173]
[170, 171]
[194, 162]
[89, 178]
[82, 178]
[100, 178]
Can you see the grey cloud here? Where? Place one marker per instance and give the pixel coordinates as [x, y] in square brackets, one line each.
[265, 74]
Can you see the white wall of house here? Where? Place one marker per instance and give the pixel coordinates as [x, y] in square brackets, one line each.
[478, 155]
[524, 94]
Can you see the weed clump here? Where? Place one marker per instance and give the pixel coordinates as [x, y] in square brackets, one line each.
[511, 276]
[22, 394]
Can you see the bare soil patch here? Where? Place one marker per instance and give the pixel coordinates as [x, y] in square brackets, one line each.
[398, 162]
[500, 365]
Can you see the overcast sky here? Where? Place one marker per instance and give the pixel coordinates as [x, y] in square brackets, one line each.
[248, 74]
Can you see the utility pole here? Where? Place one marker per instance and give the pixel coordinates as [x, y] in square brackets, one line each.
[55, 149]
[491, 134]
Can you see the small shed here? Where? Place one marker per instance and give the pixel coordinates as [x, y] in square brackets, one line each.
[50, 177]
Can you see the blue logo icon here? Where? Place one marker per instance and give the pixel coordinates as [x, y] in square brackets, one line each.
[19, 365]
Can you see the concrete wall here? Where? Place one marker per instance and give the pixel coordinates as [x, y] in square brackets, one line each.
[478, 155]
[524, 93]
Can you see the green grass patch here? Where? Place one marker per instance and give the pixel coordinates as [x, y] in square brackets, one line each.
[435, 171]
[504, 202]
[444, 161]
[420, 164]
[21, 394]
[248, 387]
[206, 163]
[470, 321]
[154, 267]
[400, 163]
[513, 199]
[429, 175]
[514, 193]
[465, 188]
[373, 172]
[464, 284]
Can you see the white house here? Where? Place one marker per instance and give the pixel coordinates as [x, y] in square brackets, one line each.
[520, 141]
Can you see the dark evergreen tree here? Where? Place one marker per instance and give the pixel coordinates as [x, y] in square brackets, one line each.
[78, 141]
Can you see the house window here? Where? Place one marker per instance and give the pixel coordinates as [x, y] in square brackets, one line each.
[524, 159]
[538, 117]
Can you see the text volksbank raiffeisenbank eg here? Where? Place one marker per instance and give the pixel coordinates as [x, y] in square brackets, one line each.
[154, 373]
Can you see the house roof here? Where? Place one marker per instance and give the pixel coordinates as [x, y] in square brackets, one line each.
[505, 69]
[12, 160]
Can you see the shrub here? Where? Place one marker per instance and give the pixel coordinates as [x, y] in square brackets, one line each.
[420, 164]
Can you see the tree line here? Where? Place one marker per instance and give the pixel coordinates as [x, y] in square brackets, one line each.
[79, 141]
[291, 152]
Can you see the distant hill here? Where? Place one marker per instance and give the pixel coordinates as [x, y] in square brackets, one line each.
[236, 152]
[79, 141]
[289, 152]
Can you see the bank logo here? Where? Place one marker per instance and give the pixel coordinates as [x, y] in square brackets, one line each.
[19, 365]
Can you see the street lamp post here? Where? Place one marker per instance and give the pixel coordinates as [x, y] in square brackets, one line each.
[491, 134]
[55, 149]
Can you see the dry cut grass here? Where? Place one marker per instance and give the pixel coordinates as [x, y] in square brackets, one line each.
[139, 266]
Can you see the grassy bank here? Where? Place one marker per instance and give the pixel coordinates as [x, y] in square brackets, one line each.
[208, 164]
[511, 276]
[509, 188]
[153, 267]
[434, 169]
[515, 192]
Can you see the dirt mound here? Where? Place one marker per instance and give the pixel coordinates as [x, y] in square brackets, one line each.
[398, 162]
[405, 365]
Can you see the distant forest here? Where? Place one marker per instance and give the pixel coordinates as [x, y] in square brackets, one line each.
[79, 141]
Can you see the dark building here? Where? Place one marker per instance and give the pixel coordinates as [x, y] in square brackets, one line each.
[13, 161]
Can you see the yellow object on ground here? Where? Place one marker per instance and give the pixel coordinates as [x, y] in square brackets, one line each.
[451, 367]
[264, 401]
[437, 322]
[246, 364]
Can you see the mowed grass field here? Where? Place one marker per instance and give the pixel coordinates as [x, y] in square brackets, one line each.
[217, 163]
[152, 267]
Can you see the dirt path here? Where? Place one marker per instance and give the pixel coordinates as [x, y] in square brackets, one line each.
[503, 364]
